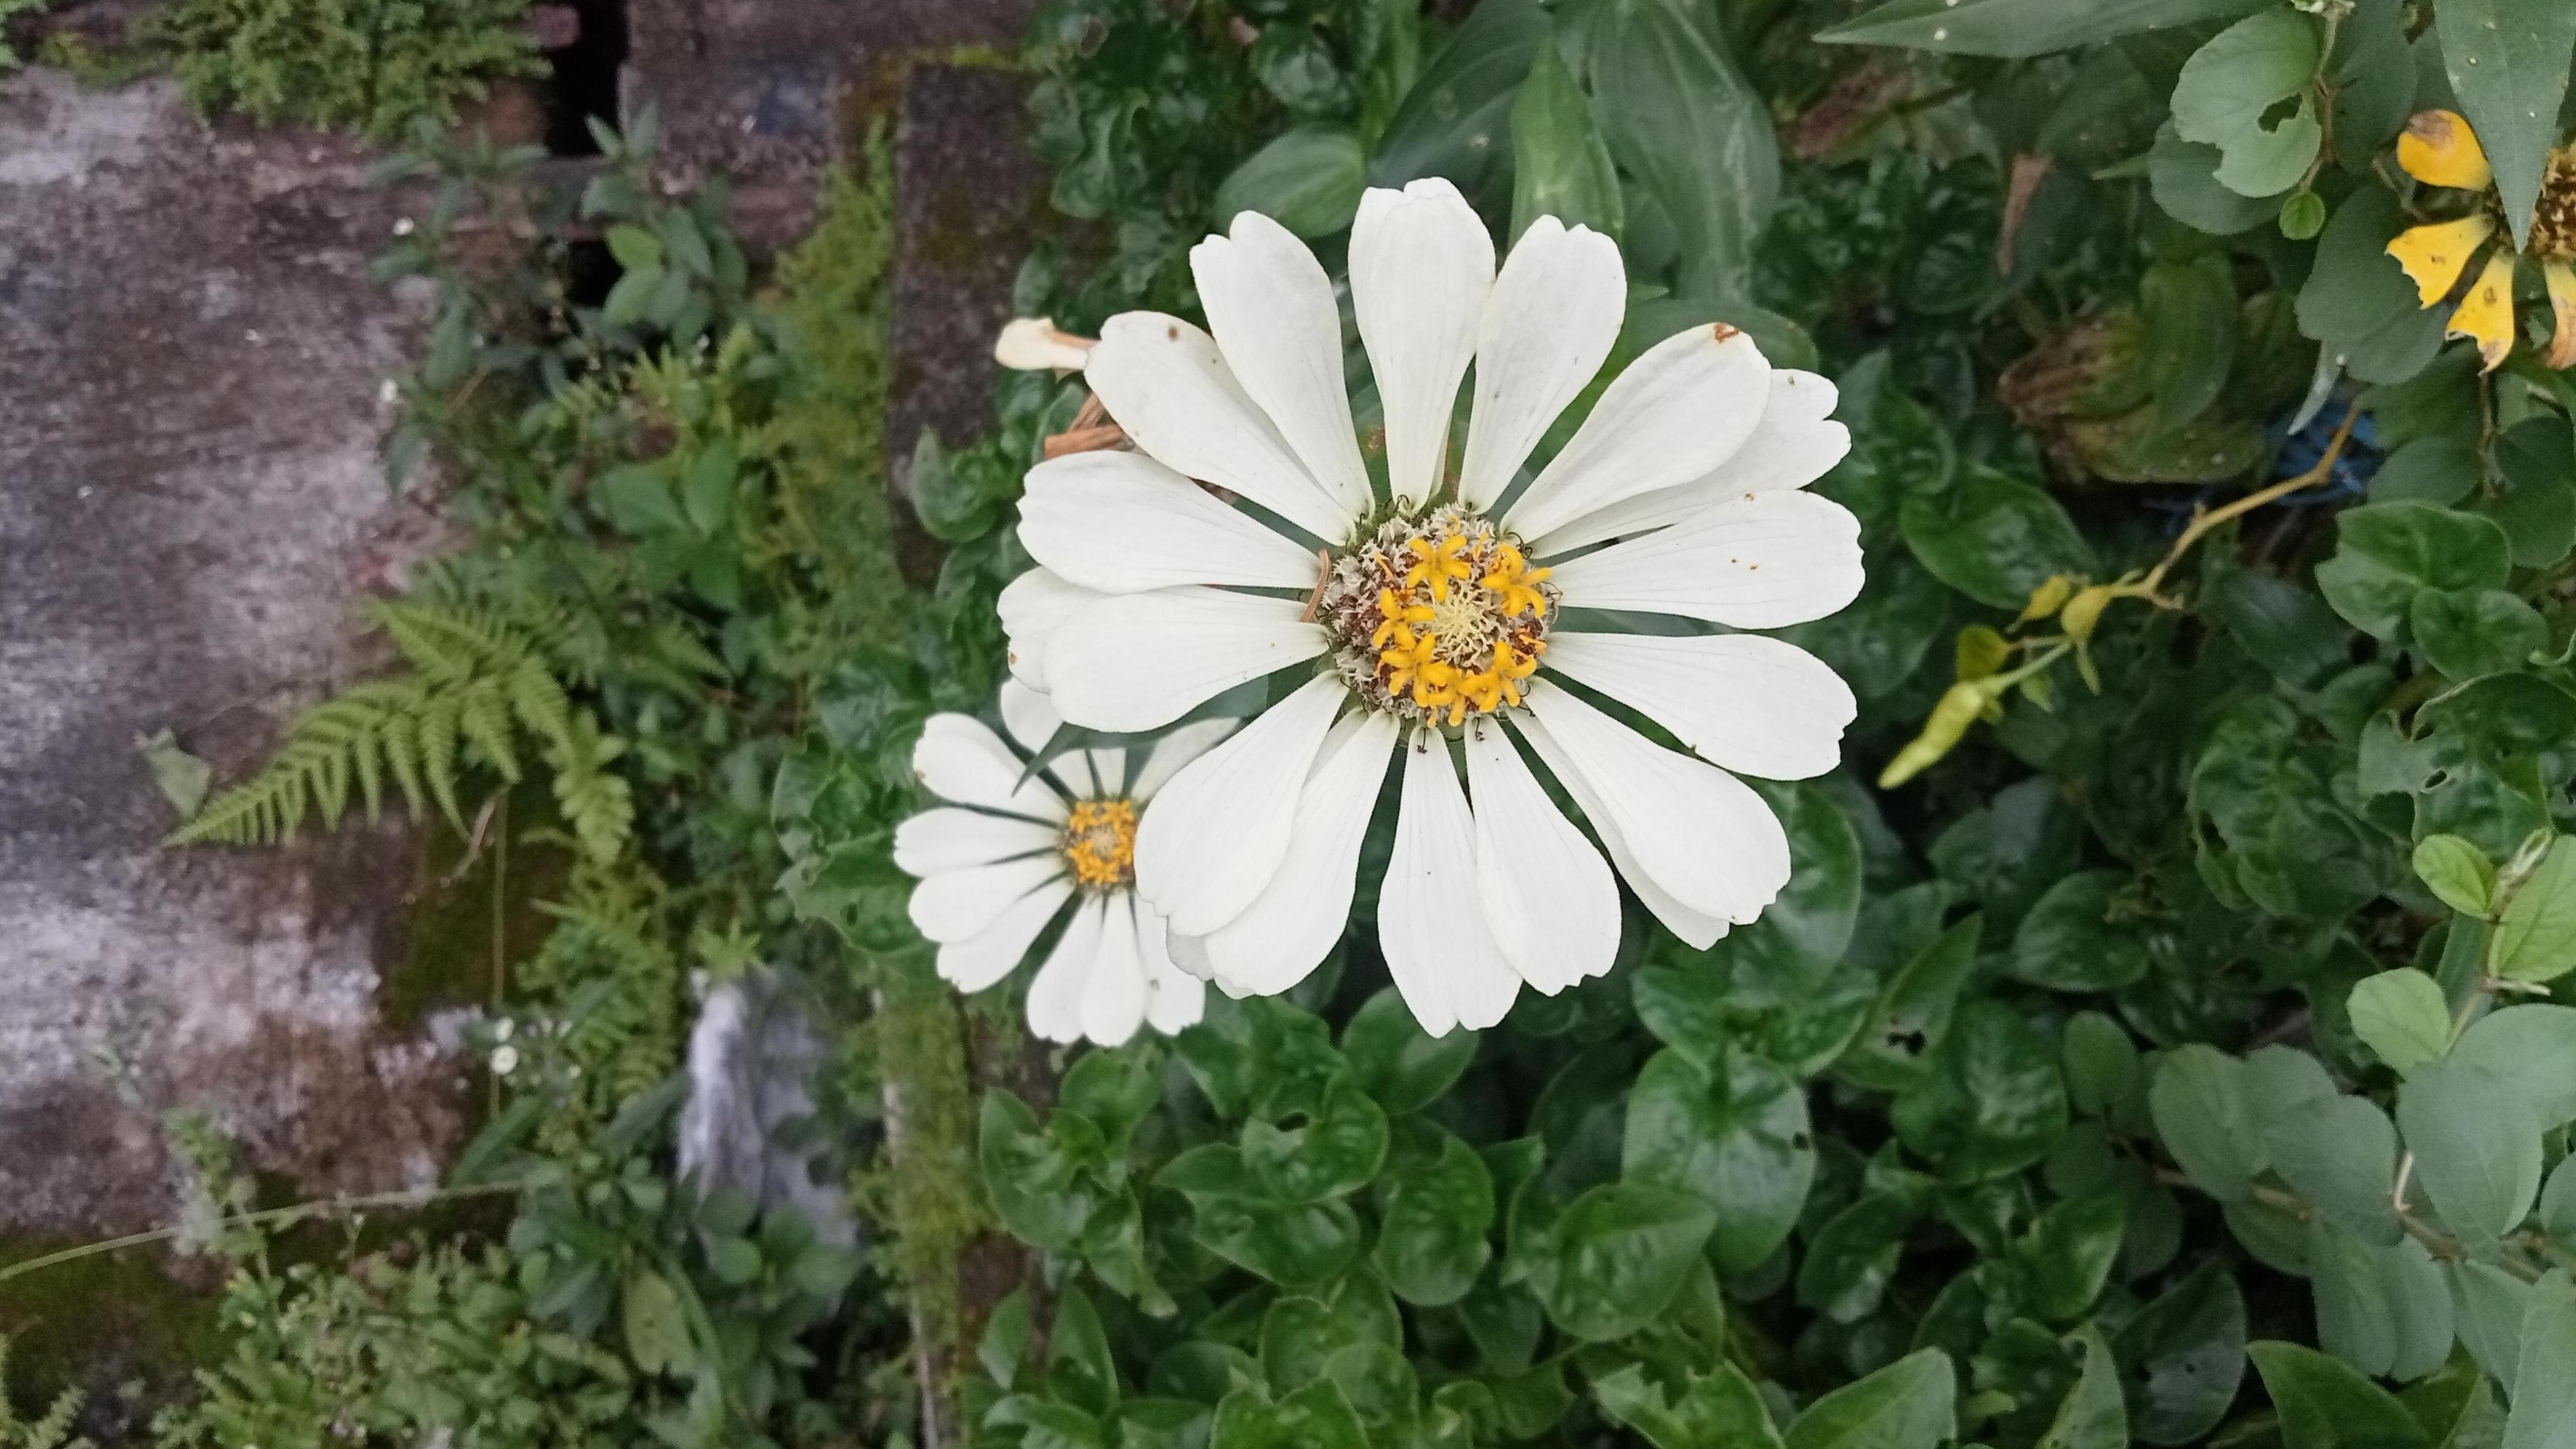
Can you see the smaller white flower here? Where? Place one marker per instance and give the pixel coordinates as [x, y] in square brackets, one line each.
[503, 1029]
[1032, 344]
[402, 226]
[505, 1060]
[388, 392]
[1000, 861]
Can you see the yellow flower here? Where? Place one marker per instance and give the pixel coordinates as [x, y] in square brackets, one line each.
[2440, 149]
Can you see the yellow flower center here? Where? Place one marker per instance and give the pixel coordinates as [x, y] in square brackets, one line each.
[1099, 843]
[1437, 617]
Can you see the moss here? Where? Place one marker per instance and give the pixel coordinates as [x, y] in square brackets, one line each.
[445, 946]
[932, 1198]
[372, 66]
[111, 1321]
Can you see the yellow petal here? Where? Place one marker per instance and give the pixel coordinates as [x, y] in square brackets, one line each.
[2487, 313]
[2562, 304]
[2439, 149]
[2436, 253]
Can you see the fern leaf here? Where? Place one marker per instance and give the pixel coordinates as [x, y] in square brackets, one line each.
[538, 700]
[600, 805]
[438, 754]
[485, 718]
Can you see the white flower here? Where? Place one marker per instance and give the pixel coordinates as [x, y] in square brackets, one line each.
[1431, 629]
[505, 1060]
[999, 861]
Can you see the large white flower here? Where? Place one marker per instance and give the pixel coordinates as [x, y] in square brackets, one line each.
[1445, 614]
[1012, 846]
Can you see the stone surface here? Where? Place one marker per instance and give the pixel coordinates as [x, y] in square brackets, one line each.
[969, 202]
[190, 500]
[768, 92]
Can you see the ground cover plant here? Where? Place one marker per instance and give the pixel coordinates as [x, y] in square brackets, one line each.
[2086, 976]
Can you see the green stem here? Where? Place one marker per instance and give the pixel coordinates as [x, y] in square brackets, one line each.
[405, 1197]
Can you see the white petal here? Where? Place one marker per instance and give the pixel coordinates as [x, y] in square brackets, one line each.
[1217, 832]
[1031, 719]
[1138, 661]
[1027, 716]
[1113, 998]
[1174, 750]
[979, 961]
[1793, 446]
[1549, 325]
[1033, 606]
[1751, 704]
[960, 760]
[1422, 265]
[1272, 310]
[1696, 930]
[958, 905]
[1286, 932]
[952, 839]
[1174, 999]
[1755, 561]
[1055, 996]
[1188, 952]
[1165, 383]
[1680, 410]
[1697, 831]
[1429, 921]
[1545, 893]
[1122, 523]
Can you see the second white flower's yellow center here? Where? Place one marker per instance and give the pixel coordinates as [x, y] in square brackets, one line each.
[1099, 844]
[1438, 617]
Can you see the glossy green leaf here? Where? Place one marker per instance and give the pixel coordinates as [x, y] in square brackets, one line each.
[2182, 1356]
[1308, 179]
[1318, 1416]
[1719, 1409]
[1910, 1404]
[2094, 1414]
[1337, 1150]
[1560, 165]
[2458, 874]
[1994, 537]
[1993, 1101]
[1433, 1232]
[1615, 1257]
[1679, 117]
[2325, 1404]
[2067, 1255]
[2183, 177]
[2465, 633]
[2103, 1069]
[1396, 1061]
[2387, 553]
[1851, 1258]
[2231, 83]
[2357, 300]
[2079, 938]
[1738, 1138]
[2022, 27]
[1911, 1018]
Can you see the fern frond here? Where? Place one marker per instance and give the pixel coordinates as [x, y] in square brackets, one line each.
[599, 804]
[483, 714]
[438, 755]
[537, 698]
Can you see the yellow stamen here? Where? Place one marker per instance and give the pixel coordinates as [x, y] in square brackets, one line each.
[2439, 149]
[1099, 843]
[2487, 313]
[2435, 253]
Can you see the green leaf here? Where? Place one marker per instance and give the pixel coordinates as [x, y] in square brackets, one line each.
[1911, 1018]
[2465, 633]
[1993, 1103]
[634, 248]
[2544, 1402]
[2022, 27]
[1851, 1258]
[2507, 62]
[1616, 1256]
[633, 298]
[1994, 537]
[2437, 469]
[1910, 1404]
[2536, 937]
[2357, 300]
[1113, 1090]
[2458, 873]
[2102, 1065]
[2383, 1309]
[2536, 459]
[2402, 1015]
[2182, 1356]
[1678, 116]
[2199, 1103]
[1739, 1138]
[639, 500]
[2476, 1146]
[1432, 1233]
[2233, 80]
[1560, 165]
[2488, 1305]
[2387, 553]
[2325, 1405]
[2187, 308]
[2094, 1414]
[1031, 1185]
[1335, 1152]
[1719, 1409]
[1405, 1068]
[707, 491]
[2183, 176]
[1292, 1246]
[2340, 1153]
[1452, 122]
[2067, 1254]
[1308, 179]
[657, 1329]
[2527, 1048]
[2077, 939]
[1318, 1416]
